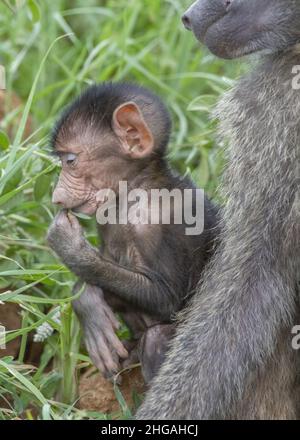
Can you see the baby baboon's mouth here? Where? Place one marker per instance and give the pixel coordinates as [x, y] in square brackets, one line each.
[84, 208]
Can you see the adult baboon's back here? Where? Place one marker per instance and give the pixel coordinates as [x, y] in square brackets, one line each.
[232, 356]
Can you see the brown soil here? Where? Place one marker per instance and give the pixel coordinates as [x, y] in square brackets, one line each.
[97, 393]
[9, 102]
[10, 318]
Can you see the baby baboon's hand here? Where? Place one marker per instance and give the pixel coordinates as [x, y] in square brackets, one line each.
[65, 235]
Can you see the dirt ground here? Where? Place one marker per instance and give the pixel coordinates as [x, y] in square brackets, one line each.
[97, 393]
[10, 318]
[7, 104]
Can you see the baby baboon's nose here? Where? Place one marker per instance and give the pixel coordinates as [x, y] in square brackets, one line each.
[59, 197]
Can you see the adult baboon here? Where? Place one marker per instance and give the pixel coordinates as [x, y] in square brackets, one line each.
[232, 357]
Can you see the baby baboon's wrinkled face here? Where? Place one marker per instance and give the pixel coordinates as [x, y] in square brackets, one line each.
[82, 175]
[95, 158]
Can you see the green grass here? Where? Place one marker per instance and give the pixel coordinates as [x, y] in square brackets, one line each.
[51, 50]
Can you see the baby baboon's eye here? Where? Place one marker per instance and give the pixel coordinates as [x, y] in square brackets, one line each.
[70, 159]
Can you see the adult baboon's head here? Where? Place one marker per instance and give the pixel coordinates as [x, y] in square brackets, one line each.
[233, 28]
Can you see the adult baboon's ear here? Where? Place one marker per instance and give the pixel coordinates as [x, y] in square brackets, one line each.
[131, 128]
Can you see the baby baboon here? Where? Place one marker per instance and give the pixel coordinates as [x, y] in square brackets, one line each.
[119, 133]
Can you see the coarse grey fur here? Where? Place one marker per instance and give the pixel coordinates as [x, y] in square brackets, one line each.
[232, 357]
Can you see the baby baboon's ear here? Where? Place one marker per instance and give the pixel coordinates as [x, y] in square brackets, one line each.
[131, 128]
